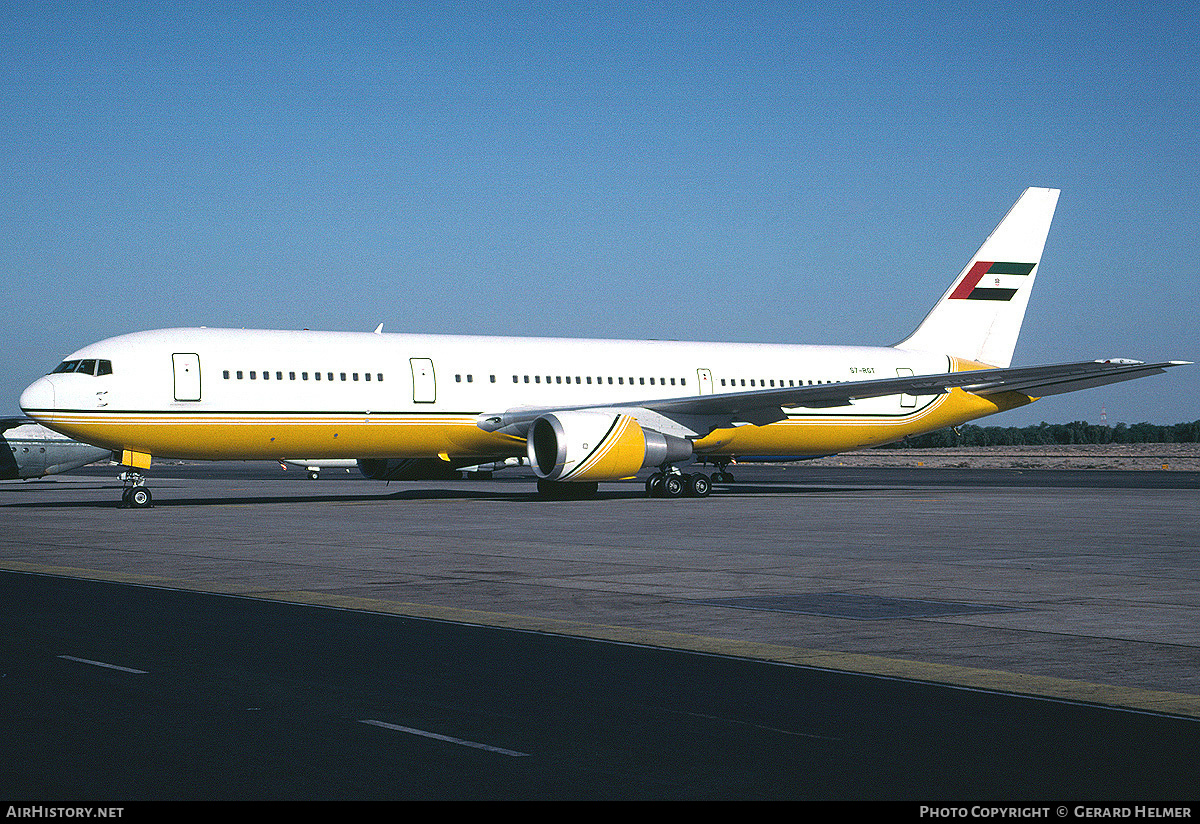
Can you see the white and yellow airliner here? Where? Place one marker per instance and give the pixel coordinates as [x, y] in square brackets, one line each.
[582, 411]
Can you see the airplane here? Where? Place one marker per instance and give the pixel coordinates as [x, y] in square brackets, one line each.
[416, 469]
[582, 411]
[30, 450]
[313, 467]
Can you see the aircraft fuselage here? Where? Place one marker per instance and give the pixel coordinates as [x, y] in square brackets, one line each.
[245, 394]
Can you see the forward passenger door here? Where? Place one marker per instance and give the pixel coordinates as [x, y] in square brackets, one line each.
[187, 376]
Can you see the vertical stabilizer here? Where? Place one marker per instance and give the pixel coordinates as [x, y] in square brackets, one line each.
[980, 315]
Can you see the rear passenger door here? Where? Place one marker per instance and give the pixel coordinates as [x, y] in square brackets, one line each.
[906, 401]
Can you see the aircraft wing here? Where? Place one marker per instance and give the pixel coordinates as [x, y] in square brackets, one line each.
[702, 413]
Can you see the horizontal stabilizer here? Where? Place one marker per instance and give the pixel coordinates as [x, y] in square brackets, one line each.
[1073, 378]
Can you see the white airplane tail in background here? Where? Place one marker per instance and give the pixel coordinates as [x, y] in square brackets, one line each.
[980, 315]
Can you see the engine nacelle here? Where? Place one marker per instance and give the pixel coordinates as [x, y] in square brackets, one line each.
[598, 446]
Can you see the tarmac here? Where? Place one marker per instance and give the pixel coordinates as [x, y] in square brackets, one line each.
[1075, 585]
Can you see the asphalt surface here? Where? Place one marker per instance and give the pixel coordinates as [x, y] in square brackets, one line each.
[113, 691]
[808, 633]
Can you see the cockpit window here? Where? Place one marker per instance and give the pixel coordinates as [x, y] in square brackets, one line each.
[88, 366]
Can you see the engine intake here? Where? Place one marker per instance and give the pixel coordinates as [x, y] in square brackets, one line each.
[597, 446]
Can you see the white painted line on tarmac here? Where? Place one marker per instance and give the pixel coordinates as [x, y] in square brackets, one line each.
[102, 664]
[413, 731]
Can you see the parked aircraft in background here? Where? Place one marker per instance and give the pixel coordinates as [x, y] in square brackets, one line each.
[313, 468]
[416, 469]
[581, 411]
[30, 450]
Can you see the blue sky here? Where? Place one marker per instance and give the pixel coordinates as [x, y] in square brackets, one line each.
[772, 172]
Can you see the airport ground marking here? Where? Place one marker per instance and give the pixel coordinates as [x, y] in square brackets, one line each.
[460, 741]
[102, 664]
[1183, 705]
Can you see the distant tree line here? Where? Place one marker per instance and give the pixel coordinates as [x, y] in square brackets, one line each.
[1045, 434]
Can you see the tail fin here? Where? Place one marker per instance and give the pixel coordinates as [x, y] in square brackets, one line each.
[980, 315]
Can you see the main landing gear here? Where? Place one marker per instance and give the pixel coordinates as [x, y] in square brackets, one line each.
[722, 475]
[135, 494]
[669, 482]
[675, 484]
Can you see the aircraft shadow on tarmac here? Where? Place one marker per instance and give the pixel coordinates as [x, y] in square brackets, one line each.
[163, 496]
[521, 489]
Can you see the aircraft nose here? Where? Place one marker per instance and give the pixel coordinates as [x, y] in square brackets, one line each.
[39, 395]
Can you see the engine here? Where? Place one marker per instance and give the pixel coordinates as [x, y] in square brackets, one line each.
[597, 446]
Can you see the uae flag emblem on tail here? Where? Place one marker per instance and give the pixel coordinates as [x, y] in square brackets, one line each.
[991, 280]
